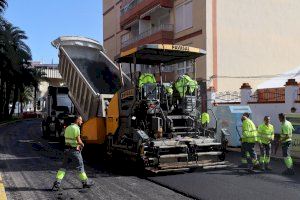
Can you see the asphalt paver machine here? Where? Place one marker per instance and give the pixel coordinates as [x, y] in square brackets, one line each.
[139, 117]
[156, 124]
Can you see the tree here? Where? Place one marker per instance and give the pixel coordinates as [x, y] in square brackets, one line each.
[15, 73]
[26, 95]
[3, 5]
[17, 77]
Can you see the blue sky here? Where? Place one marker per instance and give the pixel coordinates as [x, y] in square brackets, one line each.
[45, 20]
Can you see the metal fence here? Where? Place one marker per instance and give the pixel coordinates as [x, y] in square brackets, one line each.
[227, 97]
[130, 6]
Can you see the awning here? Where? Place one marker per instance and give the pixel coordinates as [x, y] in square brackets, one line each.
[154, 54]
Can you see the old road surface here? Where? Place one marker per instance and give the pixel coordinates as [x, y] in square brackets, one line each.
[29, 163]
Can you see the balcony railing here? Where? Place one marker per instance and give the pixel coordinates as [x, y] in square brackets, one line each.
[130, 6]
[162, 27]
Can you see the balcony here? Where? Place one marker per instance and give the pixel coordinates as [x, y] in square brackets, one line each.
[160, 34]
[130, 6]
[135, 8]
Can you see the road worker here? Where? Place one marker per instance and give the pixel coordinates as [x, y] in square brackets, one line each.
[72, 155]
[185, 84]
[205, 119]
[293, 110]
[286, 142]
[248, 139]
[265, 137]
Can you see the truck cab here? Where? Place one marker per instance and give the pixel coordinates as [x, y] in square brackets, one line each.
[58, 108]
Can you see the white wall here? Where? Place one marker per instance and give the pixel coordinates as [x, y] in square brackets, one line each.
[272, 110]
[260, 110]
[255, 38]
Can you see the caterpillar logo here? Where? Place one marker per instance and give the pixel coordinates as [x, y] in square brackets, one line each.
[180, 48]
[127, 93]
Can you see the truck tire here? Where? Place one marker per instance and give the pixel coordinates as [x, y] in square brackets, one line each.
[222, 156]
[139, 166]
[62, 142]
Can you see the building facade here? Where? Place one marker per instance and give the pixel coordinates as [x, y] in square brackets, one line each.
[246, 41]
[52, 77]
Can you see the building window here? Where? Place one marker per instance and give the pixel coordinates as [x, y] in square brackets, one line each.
[184, 16]
[185, 67]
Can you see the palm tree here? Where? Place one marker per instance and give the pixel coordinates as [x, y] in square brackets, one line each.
[26, 95]
[15, 54]
[37, 76]
[3, 5]
[17, 78]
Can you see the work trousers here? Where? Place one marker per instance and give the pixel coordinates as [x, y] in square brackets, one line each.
[265, 153]
[252, 158]
[286, 148]
[72, 159]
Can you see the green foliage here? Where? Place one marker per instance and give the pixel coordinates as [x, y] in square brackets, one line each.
[18, 80]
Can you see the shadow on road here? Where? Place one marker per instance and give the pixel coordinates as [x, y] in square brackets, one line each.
[18, 189]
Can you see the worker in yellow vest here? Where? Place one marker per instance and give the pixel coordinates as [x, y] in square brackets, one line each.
[205, 119]
[286, 143]
[265, 138]
[72, 155]
[248, 139]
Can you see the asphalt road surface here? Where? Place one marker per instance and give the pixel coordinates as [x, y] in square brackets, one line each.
[235, 184]
[29, 163]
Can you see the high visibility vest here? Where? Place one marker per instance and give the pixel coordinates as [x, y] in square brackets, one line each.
[205, 118]
[184, 83]
[265, 133]
[249, 133]
[146, 78]
[71, 134]
[286, 130]
[169, 90]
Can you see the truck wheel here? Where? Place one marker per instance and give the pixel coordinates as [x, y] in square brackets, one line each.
[46, 134]
[140, 167]
[62, 142]
[43, 132]
[222, 156]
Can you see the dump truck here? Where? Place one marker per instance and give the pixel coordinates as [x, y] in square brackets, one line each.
[139, 119]
[92, 79]
[58, 108]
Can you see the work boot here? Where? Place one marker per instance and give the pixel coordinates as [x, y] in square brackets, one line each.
[56, 186]
[288, 171]
[87, 184]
